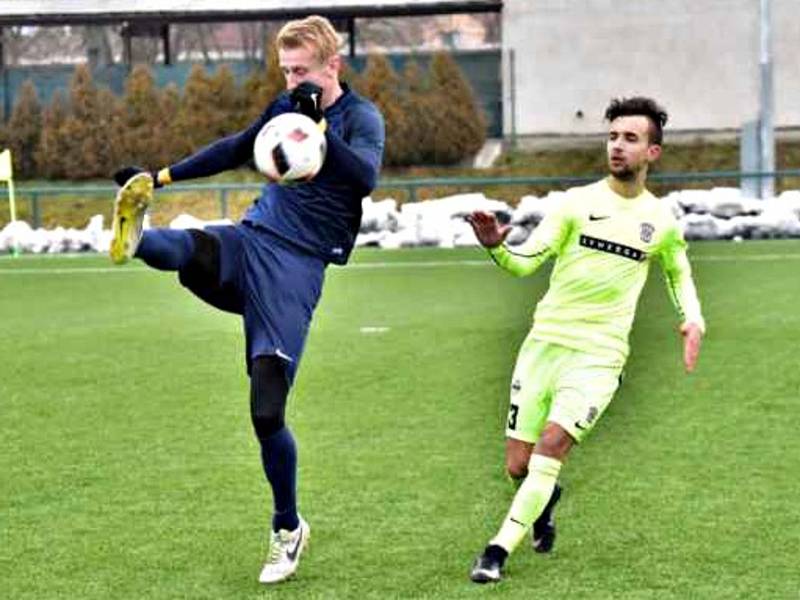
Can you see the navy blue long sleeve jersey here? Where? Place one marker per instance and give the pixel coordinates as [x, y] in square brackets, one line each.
[322, 215]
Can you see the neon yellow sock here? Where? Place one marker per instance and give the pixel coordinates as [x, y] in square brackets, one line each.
[529, 502]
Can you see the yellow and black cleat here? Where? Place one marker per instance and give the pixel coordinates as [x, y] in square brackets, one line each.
[130, 207]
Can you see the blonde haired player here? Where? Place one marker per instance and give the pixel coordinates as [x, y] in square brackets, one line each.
[603, 237]
[270, 267]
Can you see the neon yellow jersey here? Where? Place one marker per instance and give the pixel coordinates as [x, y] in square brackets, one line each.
[603, 244]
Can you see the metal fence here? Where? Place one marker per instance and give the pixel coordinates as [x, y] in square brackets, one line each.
[410, 187]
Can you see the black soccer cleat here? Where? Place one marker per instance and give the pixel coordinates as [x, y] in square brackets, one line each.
[488, 567]
[543, 532]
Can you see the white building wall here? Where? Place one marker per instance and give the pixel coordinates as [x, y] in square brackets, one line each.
[699, 58]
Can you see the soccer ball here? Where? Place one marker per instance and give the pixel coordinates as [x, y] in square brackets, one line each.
[289, 148]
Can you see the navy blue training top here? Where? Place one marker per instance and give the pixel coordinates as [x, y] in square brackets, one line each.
[322, 215]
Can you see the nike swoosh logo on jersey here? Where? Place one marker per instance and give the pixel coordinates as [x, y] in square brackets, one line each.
[598, 217]
[292, 554]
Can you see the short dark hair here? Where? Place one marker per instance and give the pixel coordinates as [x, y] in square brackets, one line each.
[640, 106]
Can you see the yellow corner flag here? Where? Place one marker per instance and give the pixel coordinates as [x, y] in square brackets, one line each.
[6, 175]
[5, 165]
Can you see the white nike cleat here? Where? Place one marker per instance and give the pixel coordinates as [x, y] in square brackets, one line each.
[285, 548]
[130, 206]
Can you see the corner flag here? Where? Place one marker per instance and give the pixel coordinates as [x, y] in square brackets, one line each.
[5, 165]
[6, 175]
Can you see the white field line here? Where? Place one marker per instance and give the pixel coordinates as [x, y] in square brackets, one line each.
[382, 265]
[69, 270]
[489, 262]
[374, 329]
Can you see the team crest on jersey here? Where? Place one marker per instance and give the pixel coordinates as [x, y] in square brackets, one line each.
[646, 232]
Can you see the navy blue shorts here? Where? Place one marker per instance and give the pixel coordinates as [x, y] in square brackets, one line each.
[272, 283]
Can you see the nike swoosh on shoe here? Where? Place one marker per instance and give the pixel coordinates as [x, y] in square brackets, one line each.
[292, 554]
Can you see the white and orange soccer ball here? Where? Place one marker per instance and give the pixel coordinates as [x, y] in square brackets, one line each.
[290, 148]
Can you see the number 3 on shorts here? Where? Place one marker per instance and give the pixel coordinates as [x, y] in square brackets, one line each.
[512, 416]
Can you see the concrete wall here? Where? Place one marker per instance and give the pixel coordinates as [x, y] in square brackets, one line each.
[699, 58]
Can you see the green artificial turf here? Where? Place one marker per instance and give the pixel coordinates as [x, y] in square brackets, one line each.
[129, 469]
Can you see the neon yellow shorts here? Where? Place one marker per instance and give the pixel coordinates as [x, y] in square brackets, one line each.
[558, 384]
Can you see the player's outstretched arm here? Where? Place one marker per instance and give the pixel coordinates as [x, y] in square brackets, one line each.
[692, 338]
[530, 255]
[487, 229]
[224, 154]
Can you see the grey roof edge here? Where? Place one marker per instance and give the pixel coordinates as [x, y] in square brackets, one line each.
[356, 9]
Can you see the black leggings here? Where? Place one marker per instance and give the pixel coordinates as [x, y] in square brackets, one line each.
[269, 389]
[202, 275]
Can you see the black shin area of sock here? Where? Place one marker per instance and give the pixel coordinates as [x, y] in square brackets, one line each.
[269, 388]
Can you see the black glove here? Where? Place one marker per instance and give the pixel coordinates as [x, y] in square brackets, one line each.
[307, 99]
[121, 177]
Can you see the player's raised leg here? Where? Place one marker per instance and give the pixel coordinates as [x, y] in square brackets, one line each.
[130, 207]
